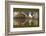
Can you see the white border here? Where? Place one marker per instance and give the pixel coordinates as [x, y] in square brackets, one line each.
[29, 28]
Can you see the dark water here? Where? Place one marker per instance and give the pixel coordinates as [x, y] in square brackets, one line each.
[25, 23]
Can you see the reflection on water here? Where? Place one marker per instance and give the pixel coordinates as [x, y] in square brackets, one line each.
[26, 23]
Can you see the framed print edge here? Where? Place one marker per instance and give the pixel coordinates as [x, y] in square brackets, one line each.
[7, 18]
[6, 31]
